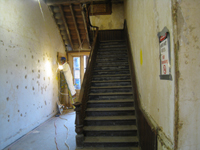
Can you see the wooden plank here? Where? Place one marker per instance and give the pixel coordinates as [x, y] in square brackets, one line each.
[85, 25]
[75, 24]
[58, 2]
[66, 27]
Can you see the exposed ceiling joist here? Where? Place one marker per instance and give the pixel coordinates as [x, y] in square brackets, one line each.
[65, 24]
[57, 2]
[85, 25]
[76, 28]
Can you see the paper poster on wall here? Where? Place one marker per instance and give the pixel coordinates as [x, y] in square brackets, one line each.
[165, 57]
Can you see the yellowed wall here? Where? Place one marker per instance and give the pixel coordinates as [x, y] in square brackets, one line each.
[145, 18]
[113, 21]
[189, 80]
[28, 53]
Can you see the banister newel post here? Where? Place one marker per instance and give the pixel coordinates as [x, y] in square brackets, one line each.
[79, 125]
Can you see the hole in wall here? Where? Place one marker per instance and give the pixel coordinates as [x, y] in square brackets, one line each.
[32, 71]
[25, 76]
[8, 116]
[32, 56]
[25, 87]
[18, 111]
[33, 88]
[7, 98]
[8, 120]
[25, 67]
[38, 70]
[16, 65]
[21, 115]
[38, 61]
[17, 86]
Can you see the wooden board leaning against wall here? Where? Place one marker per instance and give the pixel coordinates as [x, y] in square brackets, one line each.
[62, 87]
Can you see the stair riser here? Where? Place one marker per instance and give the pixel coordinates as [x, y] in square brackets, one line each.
[110, 97]
[112, 55]
[111, 63]
[113, 42]
[111, 67]
[127, 144]
[111, 59]
[112, 46]
[110, 113]
[108, 122]
[119, 83]
[111, 72]
[111, 133]
[113, 90]
[100, 105]
[105, 53]
[113, 49]
[111, 78]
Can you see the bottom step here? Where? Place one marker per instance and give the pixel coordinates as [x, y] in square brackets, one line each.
[114, 141]
[109, 148]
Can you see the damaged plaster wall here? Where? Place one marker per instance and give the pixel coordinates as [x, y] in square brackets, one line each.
[145, 18]
[29, 42]
[113, 21]
[188, 22]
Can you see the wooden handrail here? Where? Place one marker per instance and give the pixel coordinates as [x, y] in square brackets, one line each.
[81, 104]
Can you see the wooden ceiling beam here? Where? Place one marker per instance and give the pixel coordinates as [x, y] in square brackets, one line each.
[85, 25]
[66, 27]
[57, 2]
[75, 24]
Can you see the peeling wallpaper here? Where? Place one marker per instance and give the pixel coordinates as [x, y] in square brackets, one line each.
[28, 62]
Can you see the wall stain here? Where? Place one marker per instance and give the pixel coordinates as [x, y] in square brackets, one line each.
[17, 86]
[25, 76]
[191, 28]
[25, 87]
[32, 71]
[7, 98]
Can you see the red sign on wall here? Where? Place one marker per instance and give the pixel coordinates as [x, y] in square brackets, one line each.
[165, 58]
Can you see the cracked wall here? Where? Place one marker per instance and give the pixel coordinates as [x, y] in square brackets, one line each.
[28, 62]
[188, 31]
[145, 18]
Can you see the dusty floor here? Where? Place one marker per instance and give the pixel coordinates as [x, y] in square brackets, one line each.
[58, 131]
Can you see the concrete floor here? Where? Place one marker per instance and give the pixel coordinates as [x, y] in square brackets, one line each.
[43, 137]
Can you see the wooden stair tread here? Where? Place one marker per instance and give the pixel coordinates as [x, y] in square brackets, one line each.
[111, 70]
[112, 75]
[118, 93]
[110, 128]
[112, 139]
[110, 148]
[110, 87]
[111, 101]
[111, 81]
[130, 117]
[111, 109]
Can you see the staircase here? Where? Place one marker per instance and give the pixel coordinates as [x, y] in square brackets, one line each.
[110, 121]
